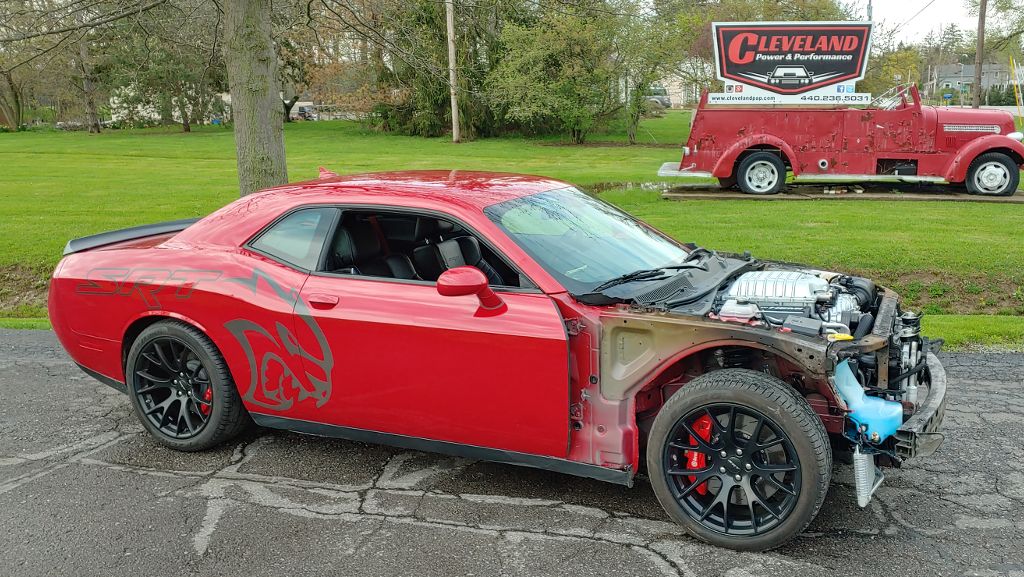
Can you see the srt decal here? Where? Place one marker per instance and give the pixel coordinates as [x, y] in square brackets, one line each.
[791, 58]
[147, 283]
[271, 380]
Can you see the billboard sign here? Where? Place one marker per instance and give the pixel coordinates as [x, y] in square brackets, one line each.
[778, 62]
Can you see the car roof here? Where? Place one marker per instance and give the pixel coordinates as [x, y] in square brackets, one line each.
[469, 188]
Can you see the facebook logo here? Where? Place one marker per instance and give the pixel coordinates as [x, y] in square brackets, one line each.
[840, 88]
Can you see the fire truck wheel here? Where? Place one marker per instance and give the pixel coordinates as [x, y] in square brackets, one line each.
[993, 174]
[761, 173]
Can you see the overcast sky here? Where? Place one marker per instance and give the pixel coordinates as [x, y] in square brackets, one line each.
[938, 14]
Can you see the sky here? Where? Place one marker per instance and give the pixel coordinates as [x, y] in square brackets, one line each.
[934, 17]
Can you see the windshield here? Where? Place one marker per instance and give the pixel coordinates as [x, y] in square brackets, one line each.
[581, 241]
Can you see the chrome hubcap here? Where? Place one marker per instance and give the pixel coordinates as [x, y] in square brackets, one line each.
[762, 176]
[991, 177]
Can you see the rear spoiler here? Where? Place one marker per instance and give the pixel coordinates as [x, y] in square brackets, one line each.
[135, 232]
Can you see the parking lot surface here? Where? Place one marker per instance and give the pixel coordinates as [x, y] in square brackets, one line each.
[83, 491]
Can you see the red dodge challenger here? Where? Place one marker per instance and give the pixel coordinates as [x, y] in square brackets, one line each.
[514, 319]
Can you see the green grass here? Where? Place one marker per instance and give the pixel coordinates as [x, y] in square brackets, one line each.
[968, 332]
[946, 258]
[881, 237]
[32, 323]
[57, 186]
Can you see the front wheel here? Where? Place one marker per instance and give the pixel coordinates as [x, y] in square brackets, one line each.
[993, 174]
[761, 173]
[739, 459]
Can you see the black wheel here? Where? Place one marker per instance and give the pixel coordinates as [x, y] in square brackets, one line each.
[761, 173]
[181, 389]
[739, 459]
[993, 174]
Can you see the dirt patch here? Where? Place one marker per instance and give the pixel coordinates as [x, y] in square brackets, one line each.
[939, 293]
[23, 291]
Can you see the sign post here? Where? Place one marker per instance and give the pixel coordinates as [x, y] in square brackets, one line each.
[791, 62]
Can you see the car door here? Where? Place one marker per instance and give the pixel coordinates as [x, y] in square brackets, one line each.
[409, 361]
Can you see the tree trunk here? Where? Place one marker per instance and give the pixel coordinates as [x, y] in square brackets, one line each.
[288, 105]
[255, 95]
[12, 111]
[449, 8]
[979, 55]
[88, 87]
[186, 126]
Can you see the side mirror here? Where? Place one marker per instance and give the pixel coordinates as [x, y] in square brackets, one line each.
[469, 280]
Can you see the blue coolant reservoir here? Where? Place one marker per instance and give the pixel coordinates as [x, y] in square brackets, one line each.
[880, 416]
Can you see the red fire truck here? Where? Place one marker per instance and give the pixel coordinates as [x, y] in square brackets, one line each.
[895, 138]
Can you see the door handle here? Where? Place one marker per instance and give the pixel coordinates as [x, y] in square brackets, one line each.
[322, 301]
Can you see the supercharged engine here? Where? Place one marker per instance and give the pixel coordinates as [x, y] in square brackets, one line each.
[805, 302]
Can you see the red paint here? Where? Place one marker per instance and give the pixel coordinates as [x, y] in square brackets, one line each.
[851, 140]
[455, 362]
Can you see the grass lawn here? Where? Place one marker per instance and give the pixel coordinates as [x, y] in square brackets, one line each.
[951, 259]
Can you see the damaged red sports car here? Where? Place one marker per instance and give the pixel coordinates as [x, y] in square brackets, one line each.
[508, 318]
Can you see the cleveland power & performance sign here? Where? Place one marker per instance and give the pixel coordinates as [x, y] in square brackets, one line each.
[791, 62]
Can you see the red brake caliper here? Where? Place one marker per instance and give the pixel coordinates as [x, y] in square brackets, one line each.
[208, 397]
[696, 460]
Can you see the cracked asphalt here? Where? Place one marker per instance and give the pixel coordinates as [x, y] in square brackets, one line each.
[83, 491]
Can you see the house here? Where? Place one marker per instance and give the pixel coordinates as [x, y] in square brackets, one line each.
[960, 77]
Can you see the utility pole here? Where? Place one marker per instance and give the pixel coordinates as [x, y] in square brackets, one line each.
[979, 55]
[449, 8]
[869, 11]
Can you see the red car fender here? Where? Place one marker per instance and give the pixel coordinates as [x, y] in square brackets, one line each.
[725, 165]
[956, 170]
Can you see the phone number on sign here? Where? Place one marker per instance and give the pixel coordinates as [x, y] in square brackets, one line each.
[848, 98]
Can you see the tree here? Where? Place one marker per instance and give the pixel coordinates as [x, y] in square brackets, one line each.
[169, 60]
[647, 51]
[559, 72]
[255, 94]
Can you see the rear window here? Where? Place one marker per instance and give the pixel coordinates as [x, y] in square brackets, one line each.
[297, 239]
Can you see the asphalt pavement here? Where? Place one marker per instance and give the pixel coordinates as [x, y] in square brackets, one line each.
[83, 491]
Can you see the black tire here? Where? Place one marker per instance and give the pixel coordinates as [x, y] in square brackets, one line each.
[761, 173]
[993, 174]
[755, 396]
[191, 353]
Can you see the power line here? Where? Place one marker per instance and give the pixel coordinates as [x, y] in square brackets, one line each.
[916, 14]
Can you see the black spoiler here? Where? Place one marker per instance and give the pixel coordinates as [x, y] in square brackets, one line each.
[115, 236]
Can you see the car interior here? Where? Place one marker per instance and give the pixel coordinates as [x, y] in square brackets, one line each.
[412, 247]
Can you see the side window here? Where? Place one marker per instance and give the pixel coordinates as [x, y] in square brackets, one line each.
[298, 238]
[411, 247]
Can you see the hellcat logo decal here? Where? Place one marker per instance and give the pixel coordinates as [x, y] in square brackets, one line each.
[272, 382]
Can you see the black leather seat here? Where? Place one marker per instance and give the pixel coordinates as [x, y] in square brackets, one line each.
[433, 259]
[357, 250]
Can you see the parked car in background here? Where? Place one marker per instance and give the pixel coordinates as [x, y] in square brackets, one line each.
[514, 319]
[895, 139]
[658, 96]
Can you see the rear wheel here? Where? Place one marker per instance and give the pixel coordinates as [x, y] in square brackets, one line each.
[739, 459]
[993, 174]
[761, 173]
[181, 389]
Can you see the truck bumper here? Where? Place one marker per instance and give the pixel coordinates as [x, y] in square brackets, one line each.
[919, 436]
[671, 169]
